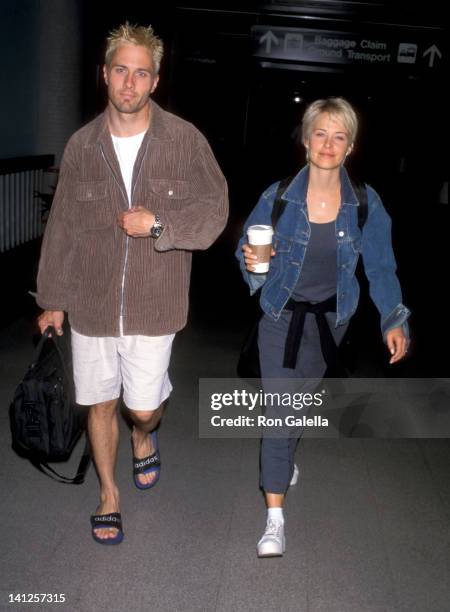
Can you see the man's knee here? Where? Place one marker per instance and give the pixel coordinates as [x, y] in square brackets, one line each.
[145, 416]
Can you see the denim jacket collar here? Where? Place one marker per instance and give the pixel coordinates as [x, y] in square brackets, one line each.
[298, 187]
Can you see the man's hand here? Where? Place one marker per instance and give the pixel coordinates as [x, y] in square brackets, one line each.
[397, 344]
[250, 259]
[55, 318]
[136, 222]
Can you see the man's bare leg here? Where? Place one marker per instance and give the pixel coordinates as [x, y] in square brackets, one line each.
[103, 430]
[144, 421]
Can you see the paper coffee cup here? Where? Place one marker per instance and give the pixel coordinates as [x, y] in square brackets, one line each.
[260, 240]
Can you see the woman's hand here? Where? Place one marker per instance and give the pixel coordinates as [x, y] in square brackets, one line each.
[397, 344]
[250, 259]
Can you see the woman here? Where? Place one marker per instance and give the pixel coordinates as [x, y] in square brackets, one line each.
[316, 245]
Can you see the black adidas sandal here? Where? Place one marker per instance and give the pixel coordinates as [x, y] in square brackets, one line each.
[148, 465]
[107, 521]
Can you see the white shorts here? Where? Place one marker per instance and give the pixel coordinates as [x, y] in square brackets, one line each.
[139, 363]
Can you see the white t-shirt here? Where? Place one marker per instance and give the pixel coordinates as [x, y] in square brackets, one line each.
[126, 150]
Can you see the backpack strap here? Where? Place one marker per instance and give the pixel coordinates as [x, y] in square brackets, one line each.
[279, 204]
[361, 194]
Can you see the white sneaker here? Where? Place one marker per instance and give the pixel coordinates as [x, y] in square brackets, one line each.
[295, 474]
[273, 542]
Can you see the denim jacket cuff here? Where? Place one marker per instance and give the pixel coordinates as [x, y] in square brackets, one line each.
[397, 318]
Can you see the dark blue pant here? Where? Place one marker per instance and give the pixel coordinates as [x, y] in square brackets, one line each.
[277, 453]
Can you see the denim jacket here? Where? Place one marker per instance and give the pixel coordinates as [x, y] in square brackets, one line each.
[290, 241]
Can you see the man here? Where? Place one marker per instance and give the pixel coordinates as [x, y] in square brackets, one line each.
[139, 189]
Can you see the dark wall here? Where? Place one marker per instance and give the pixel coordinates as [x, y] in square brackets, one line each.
[18, 43]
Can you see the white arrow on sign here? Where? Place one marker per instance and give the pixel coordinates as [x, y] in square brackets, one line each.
[269, 38]
[432, 52]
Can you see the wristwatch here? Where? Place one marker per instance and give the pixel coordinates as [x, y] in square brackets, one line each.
[157, 228]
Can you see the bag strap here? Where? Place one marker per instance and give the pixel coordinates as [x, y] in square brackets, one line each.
[279, 204]
[361, 194]
[40, 345]
[80, 474]
[57, 343]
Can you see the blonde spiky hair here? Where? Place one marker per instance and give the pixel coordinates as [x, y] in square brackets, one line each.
[135, 35]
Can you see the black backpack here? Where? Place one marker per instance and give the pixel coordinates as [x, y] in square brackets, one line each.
[45, 421]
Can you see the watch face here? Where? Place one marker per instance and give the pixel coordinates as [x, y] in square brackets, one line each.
[156, 231]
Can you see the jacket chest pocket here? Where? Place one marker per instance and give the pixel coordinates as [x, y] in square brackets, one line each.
[93, 205]
[167, 194]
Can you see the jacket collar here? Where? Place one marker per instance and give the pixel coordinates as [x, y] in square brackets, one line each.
[100, 136]
[298, 187]
[158, 129]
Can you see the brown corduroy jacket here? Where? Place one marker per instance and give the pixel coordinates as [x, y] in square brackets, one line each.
[85, 252]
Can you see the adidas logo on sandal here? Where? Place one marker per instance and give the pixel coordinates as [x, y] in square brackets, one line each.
[147, 461]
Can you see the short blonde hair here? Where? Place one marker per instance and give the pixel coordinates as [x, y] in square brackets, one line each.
[336, 107]
[135, 35]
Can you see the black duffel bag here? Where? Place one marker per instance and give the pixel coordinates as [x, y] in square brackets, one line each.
[45, 421]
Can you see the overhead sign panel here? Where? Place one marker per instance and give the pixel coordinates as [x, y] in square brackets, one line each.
[324, 46]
